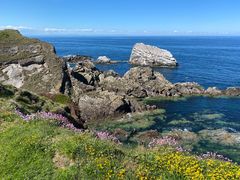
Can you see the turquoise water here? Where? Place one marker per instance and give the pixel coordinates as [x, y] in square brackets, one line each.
[198, 113]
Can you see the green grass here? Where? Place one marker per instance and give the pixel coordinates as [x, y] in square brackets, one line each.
[26, 154]
[61, 99]
[8, 37]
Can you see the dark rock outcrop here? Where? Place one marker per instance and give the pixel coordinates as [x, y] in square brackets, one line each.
[137, 82]
[93, 101]
[188, 88]
[76, 58]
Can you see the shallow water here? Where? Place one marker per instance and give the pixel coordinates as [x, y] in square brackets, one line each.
[197, 113]
[213, 123]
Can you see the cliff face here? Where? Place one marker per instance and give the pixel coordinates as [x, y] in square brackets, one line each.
[29, 63]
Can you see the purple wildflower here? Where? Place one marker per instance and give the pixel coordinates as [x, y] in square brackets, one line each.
[163, 141]
[103, 135]
[64, 122]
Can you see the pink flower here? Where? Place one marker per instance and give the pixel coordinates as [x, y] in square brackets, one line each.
[106, 136]
[166, 140]
[64, 122]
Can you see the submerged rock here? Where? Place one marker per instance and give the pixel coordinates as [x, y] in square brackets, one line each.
[221, 136]
[146, 55]
[146, 137]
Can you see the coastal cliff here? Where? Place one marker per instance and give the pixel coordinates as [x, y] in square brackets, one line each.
[29, 63]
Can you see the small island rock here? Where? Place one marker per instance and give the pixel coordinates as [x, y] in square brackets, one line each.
[103, 60]
[146, 55]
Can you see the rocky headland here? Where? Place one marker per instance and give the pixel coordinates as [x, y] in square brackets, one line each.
[33, 65]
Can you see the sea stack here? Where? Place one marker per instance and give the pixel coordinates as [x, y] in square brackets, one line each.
[146, 55]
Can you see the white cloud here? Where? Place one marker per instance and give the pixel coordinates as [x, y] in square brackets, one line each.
[54, 30]
[16, 27]
[83, 30]
[59, 30]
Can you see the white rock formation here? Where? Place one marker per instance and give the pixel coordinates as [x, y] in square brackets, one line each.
[103, 60]
[15, 75]
[146, 55]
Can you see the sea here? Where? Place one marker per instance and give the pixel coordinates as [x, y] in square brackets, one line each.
[209, 60]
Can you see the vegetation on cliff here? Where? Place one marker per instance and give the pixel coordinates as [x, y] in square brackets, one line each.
[10, 36]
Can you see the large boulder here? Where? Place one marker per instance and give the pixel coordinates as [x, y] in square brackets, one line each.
[96, 106]
[29, 63]
[84, 77]
[146, 55]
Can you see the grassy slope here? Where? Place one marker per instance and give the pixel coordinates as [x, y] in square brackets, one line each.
[9, 37]
[41, 149]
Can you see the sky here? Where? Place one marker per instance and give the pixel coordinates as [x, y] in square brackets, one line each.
[121, 17]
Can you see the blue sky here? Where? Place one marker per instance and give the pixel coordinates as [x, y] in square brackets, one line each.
[122, 17]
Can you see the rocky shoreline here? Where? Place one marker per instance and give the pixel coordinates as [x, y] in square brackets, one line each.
[33, 65]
